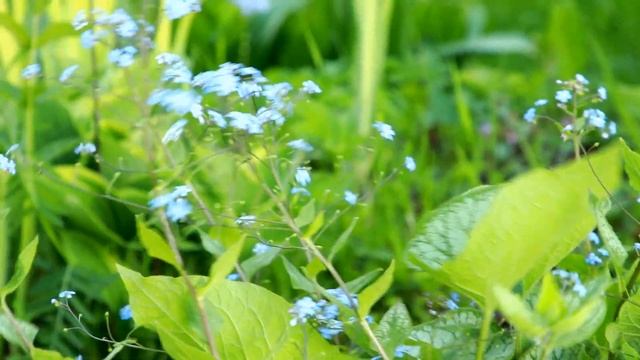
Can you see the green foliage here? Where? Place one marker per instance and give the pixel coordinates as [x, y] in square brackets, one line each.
[528, 227]
[372, 293]
[249, 321]
[155, 245]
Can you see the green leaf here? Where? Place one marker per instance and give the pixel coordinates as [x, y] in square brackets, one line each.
[631, 165]
[155, 244]
[248, 322]
[298, 280]
[530, 225]
[259, 261]
[224, 265]
[550, 305]
[342, 239]
[626, 329]
[580, 325]
[518, 313]
[360, 282]
[447, 230]
[611, 241]
[41, 354]
[369, 296]
[23, 265]
[394, 327]
[7, 331]
[55, 31]
[306, 214]
[315, 225]
[19, 33]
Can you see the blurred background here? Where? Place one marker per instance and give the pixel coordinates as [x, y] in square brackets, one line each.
[452, 77]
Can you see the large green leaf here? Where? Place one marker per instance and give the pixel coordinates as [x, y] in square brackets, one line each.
[531, 224]
[372, 293]
[8, 332]
[155, 244]
[23, 265]
[394, 327]
[248, 321]
[627, 328]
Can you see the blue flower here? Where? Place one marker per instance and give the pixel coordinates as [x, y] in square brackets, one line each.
[602, 93]
[302, 310]
[123, 57]
[31, 71]
[451, 305]
[410, 163]
[540, 102]
[266, 114]
[595, 117]
[175, 100]
[340, 295]
[164, 200]
[90, 38]
[175, 9]
[217, 118]
[581, 79]
[277, 94]
[636, 246]
[233, 277]
[260, 248]
[246, 220]
[174, 131]
[310, 87]
[302, 176]
[593, 259]
[579, 289]
[530, 115]
[603, 252]
[176, 71]
[563, 96]
[85, 148]
[125, 26]
[66, 294]
[350, 197]
[385, 130]
[67, 73]
[7, 165]
[245, 121]
[125, 312]
[80, 20]
[594, 238]
[300, 190]
[301, 145]
[178, 209]
[250, 7]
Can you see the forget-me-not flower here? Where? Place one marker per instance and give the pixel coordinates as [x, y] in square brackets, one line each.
[385, 130]
[563, 96]
[410, 163]
[300, 144]
[123, 57]
[175, 9]
[174, 131]
[67, 73]
[350, 197]
[85, 148]
[302, 176]
[31, 71]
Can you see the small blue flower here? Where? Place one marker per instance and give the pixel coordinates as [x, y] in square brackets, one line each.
[300, 144]
[302, 310]
[310, 87]
[340, 295]
[350, 197]
[250, 7]
[233, 277]
[31, 71]
[260, 248]
[90, 38]
[579, 289]
[175, 9]
[178, 101]
[66, 294]
[7, 165]
[540, 102]
[67, 73]
[385, 130]
[245, 121]
[80, 20]
[123, 57]
[530, 115]
[603, 252]
[85, 148]
[302, 176]
[563, 96]
[167, 199]
[300, 190]
[595, 117]
[125, 26]
[602, 93]
[178, 209]
[410, 163]
[125, 312]
[217, 118]
[636, 246]
[581, 79]
[594, 238]
[593, 259]
[174, 131]
[246, 220]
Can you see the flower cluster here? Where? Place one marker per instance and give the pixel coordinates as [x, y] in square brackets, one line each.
[176, 205]
[97, 26]
[322, 314]
[85, 148]
[64, 296]
[570, 280]
[6, 163]
[575, 99]
[595, 258]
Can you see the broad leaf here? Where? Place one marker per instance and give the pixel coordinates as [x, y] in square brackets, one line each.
[225, 263]
[550, 305]
[155, 244]
[371, 294]
[611, 241]
[531, 224]
[306, 214]
[23, 265]
[7, 331]
[248, 322]
[360, 282]
[519, 314]
[394, 328]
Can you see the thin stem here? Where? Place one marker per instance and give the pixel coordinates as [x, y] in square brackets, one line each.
[484, 331]
[204, 318]
[311, 247]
